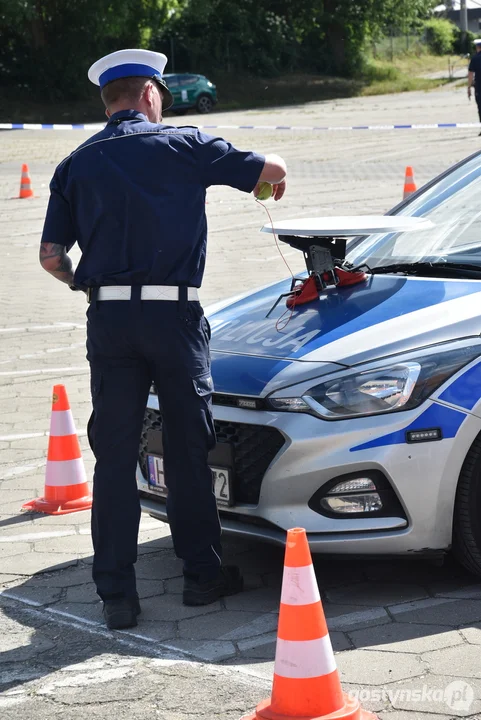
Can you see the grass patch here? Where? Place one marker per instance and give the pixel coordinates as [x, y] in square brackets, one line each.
[16, 106]
[406, 73]
[241, 91]
[424, 63]
[377, 78]
[244, 92]
[403, 84]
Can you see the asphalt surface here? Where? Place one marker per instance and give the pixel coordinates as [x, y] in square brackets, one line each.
[406, 632]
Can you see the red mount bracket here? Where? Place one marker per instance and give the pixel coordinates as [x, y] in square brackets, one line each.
[326, 266]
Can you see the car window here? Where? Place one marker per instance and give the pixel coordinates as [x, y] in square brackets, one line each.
[452, 204]
[171, 80]
[187, 79]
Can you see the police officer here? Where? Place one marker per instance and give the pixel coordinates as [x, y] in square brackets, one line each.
[474, 76]
[133, 198]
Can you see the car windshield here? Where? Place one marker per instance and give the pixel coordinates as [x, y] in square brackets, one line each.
[452, 204]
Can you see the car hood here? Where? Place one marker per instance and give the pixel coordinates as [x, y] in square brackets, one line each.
[382, 316]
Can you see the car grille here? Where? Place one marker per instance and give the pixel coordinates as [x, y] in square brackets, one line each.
[254, 446]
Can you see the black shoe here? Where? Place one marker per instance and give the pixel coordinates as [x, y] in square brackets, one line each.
[120, 613]
[229, 581]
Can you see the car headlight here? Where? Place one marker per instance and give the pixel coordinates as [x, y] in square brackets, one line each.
[397, 386]
[366, 393]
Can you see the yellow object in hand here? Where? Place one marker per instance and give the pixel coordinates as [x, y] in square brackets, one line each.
[265, 191]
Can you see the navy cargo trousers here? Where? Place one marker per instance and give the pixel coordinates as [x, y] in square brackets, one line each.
[131, 343]
[477, 96]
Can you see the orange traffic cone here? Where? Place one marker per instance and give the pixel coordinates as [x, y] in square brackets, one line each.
[306, 682]
[409, 184]
[66, 488]
[25, 184]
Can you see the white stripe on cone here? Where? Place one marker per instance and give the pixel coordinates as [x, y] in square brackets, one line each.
[299, 586]
[65, 472]
[304, 658]
[62, 423]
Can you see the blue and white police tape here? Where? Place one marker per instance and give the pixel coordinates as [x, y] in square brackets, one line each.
[300, 128]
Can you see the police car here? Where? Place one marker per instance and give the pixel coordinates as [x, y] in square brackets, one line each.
[355, 414]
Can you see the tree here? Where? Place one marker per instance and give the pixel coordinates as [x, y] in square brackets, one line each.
[234, 35]
[48, 45]
[264, 38]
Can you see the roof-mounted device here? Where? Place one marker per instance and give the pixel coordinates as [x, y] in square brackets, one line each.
[323, 242]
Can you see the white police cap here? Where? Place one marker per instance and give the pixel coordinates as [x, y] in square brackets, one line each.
[131, 63]
[477, 41]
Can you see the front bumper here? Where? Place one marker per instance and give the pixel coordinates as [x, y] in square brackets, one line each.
[313, 452]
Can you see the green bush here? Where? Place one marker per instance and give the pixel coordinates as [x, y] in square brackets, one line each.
[376, 71]
[440, 36]
[458, 44]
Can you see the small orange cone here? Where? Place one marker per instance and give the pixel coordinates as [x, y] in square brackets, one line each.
[409, 184]
[306, 682]
[66, 488]
[25, 184]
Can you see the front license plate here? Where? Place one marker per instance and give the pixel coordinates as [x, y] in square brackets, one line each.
[222, 480]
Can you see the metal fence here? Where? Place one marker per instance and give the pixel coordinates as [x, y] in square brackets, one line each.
[396, 43]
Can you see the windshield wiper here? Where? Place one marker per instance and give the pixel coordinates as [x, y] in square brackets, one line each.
[430, 268]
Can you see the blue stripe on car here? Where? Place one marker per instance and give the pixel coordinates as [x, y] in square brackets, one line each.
[243, 374]
[465, 391]
[436, 416]
[337, 313]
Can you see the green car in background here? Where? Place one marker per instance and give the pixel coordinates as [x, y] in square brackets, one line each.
[191, 91]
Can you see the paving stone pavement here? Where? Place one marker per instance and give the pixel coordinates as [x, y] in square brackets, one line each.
[406, 633]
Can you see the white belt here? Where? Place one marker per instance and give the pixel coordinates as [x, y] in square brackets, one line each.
[148, 292]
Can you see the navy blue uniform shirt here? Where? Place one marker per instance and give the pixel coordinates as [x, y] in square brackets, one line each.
[133, 198]
[475, 67]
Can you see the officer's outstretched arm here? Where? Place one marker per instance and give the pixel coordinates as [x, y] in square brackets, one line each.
[273, 172]
[54, 259]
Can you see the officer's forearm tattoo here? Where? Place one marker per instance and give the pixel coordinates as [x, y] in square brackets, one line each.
[54, 259]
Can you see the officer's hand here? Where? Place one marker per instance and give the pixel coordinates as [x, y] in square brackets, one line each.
[278, 190]
[469, 93]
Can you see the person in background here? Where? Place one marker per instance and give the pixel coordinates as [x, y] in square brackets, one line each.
[474, 76]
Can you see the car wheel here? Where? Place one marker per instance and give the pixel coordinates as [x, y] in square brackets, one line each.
[204, 104]
[181, 111]
[467, 512]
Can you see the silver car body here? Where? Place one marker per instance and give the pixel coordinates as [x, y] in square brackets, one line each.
[286, 458]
